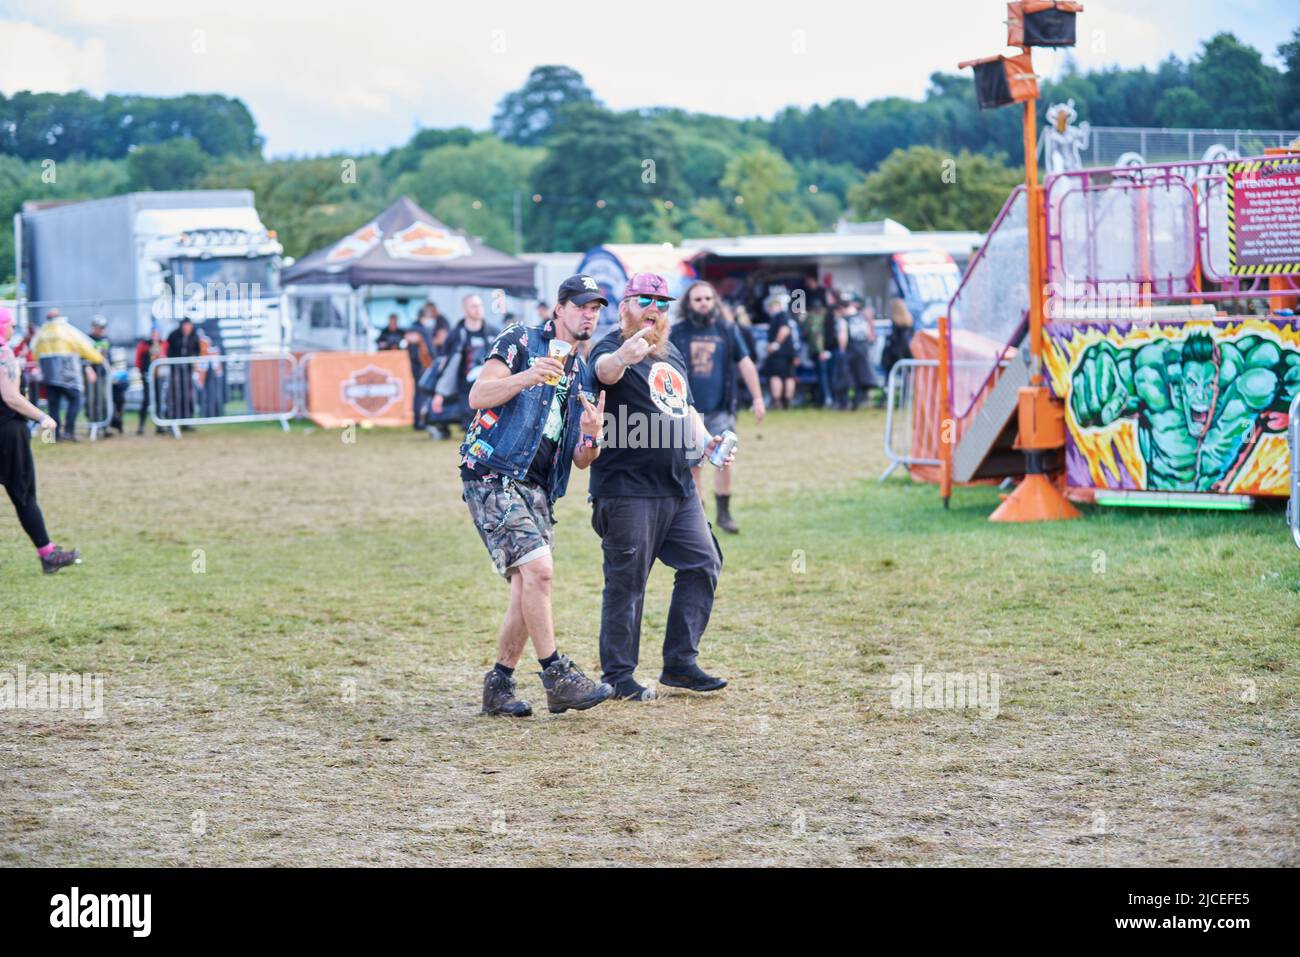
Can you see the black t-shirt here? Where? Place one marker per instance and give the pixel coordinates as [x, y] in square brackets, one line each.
[714, 350]
[511, 348]
[645, 448]
[782, 320]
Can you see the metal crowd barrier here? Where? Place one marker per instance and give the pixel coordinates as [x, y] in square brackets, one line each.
[98, 400]
[1293, 440]
[900, 406]
[221, 389]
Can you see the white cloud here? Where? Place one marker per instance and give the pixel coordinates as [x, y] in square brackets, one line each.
[33, 58]
[354, 76]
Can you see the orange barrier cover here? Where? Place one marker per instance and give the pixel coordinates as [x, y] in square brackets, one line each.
[345, 387]
[927, 418]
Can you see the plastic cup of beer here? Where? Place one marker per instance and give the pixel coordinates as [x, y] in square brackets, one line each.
[559, 349]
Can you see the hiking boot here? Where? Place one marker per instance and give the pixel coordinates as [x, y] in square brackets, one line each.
[567, 687]
[629, 690]
[692, 678]
[58, 558]
[725, 521]
[499, 696]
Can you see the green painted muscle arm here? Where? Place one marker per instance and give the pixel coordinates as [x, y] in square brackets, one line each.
[1109, 382]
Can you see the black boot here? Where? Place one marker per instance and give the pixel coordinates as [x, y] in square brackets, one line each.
[725, 521]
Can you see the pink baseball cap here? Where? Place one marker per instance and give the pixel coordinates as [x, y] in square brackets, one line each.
[647, 284]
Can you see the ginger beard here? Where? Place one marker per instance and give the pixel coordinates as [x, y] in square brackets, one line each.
[632, 319]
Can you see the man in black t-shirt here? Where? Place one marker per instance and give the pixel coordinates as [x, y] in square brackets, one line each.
[514, 465]
[464, 353]
[644, 504]
[717, 355]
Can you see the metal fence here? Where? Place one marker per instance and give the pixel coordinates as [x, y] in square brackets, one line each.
[1293, 440]
[912, 413]
[98, 400]
[220, 389]
[1123, 146]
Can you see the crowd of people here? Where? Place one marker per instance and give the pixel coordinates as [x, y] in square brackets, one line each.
[813, 350]
[70, 373]
[818, 352]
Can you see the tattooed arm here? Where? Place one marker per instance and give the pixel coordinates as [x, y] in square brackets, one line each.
[11, 394]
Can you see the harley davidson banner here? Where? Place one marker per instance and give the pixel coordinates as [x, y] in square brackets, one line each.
[345, 387]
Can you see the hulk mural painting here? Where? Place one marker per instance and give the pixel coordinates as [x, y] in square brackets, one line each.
[1200, 404]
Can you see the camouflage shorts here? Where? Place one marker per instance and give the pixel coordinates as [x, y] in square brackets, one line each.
[514, 521]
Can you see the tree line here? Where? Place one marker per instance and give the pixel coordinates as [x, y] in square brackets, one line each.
[574, 173]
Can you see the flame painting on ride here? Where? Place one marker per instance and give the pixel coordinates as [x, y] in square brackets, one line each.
[1194, 406]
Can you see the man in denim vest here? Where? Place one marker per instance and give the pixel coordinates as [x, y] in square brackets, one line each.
[536, 415]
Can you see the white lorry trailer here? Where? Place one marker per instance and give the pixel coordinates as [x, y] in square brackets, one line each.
[145, 258]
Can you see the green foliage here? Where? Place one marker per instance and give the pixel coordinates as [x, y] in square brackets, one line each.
[1288, 88]
[526, 116]
[175, 164]
[61, 125]
[766, 184]
[662, 173]
[926, 188]
[450, 179]
[309, 202]
[625, 160]
[1236, 81]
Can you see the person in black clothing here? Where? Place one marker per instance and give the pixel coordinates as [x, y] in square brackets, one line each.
[644, 505]
[899, 344]
[182, 343]
[463, 357]
[856, 332]
[17, 467]
[390, 337]
[424, 343]
[782, 347]
[147, 351]
[716, 352]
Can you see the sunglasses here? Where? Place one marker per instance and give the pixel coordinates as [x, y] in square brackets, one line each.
[645, 302]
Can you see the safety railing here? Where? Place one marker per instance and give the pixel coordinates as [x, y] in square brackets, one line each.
[992, 300]
[913, 415]
[221, 389]
[1157, 232]
[99, 407]
[1293, 440]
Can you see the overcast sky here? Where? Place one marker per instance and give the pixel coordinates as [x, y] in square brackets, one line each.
[355, 77]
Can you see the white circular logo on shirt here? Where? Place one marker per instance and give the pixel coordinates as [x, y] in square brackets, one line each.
[668, 389]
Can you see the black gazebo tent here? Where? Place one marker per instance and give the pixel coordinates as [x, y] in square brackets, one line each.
[405, 246]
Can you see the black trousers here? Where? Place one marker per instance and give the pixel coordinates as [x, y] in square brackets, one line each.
[18, 475]
[634, 532]
[55, 396]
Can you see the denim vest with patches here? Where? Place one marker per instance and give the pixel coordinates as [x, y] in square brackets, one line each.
[506, 438]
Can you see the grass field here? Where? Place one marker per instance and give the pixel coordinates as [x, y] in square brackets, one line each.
[309, 694]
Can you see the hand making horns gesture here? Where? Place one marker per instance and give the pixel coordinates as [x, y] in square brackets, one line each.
[593, 416]
[635, 348]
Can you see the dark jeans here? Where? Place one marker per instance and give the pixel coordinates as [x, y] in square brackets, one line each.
[119, 402]
[634, 532]
[55, 396]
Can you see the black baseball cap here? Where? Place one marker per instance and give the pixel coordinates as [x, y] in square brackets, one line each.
[580, 290]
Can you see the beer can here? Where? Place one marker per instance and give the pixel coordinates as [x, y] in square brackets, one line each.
[719, 457]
